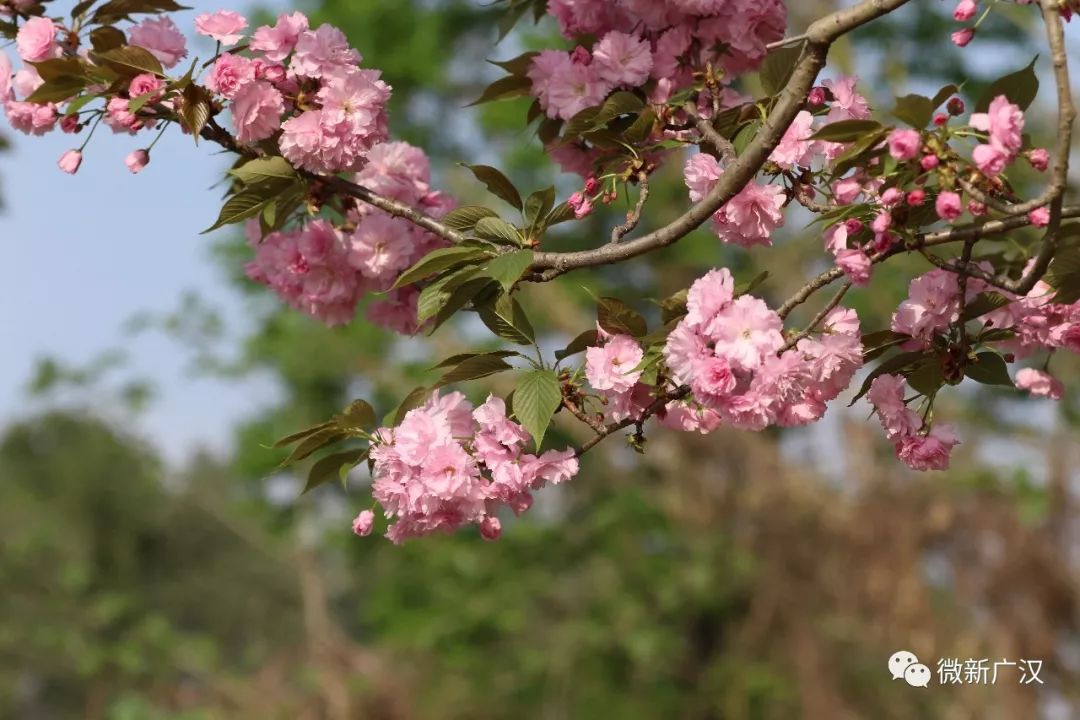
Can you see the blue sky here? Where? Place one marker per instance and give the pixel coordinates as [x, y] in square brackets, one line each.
[82, 254]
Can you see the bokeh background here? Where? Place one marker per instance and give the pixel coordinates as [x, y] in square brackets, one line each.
[155, 566]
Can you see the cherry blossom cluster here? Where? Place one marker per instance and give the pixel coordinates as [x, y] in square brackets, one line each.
[919, 445]
[966, 10]
[449, 464]
[301, 86]
[731, 352]
[324, 271]
[660, 43]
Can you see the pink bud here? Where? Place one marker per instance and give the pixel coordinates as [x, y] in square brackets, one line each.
[948, 206]
[1039, 159]
[581, 56]
[929, 162]
[955, 106]
[891, 197]
[490, 528]
[961, 38]
[941, 119]
[853, 225]
[816, 97]
[976, 208]
[70, 124]
[363, 523]
[70, 161]
[137, 160]
[1039, 217]
[916, 198]
[591, 186]
[965, 10]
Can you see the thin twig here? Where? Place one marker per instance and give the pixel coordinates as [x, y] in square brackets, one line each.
[818, 319]
[634, 216]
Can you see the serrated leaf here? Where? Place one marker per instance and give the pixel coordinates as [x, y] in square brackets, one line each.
[509, 267]
[262, 169]
[538, 205]
[436, 296]
[989, 369]
[301, 434]
[106, 38]
[465, 217]
[59, 68]
[129, 60]
[246, 204]
[455, 360]
[58, 90]
[927, 378]
[915, 110]
[620, 103]
[618, 318]
[846, 130]
[195, 110]
[506, 88]
[536, 398]
[495, 228]
[1019, 87]
[312, 444]
[580, 344]
[474, 368]
[506, 318]
[518, 65]
[358, 416]
[333, 467]
[438, 260]
[497, 183]
[476, 290]
[777, 68]
[78, 104]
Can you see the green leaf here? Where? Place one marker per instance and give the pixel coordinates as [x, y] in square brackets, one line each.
[123, 9]
[358, 416]
[536, 398]
[60, 68]
[580, 344]
[855, 152]
[944, 94]
[1064, 275]
[1019, 87]
[497, 183]
[878, 343]
[560, 214]
[989, 369]
[455, 360]
[129, 60]
[509, 267]
[476, 290]
[262, 169]
[916, 110]
[465, 217]
[674, 306]
[438, 260]
[927, 378]
[517, 66]
[620, 103]
[846, 130]
[58, 90]
[984, 303]
[895, 364]
[506, 88]
[312, 443]
[506, 318]
[538, 205]
[79, 103]
[248, 204]
[473, 368]
[416, 397]
[334, 467]
[494, 228]
[300, 435]
[778, 67]
[435, 297]
[617, 318]
[81, 7]
[106, 38]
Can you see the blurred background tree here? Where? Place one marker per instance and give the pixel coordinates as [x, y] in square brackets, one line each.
[736, 576]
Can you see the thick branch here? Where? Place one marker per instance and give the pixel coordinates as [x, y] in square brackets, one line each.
[820, 36]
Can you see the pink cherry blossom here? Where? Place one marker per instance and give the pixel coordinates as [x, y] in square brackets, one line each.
[930, 451]
[137, 160]
[256, 111]
[949, 206]
[364, 523]
[225, 26]
[1040, 384]
[70, 161]
[36, 40]
[905, 144]
[614, 365]
[745, 331]
[965, 10]
[278, 41]
[750, 217]
[229, 74]
[622, 59]
[162, 38]
[323, 51]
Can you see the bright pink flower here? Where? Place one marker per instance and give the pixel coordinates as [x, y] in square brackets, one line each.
[225, 26]
[323, 51]
[1004, 121]
[230, 74]
[990, 159]
[750, 217]
[928, 452]
[932, 305]
[622, 59]
[146, 84]
[929, 162]
[887, 396]
[1039, 217]
[256, 111]
[278, 41]
[70, 161]
[162, 38]
[614, 365]
[745, 331]
[364, 523]
[381, 247]
[137, 160]
[905, 144]
[1039, 157]
[1040, 384]
[36, 40]
[119, 118]
[916, 197]
[490, 528]
[949, 206]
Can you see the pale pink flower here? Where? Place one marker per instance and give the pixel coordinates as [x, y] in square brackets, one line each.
[847, 104]
[70, 161]
[750, 217]
[162, 38]
[1039, 157]
[278, 41]
[622, 59]
[886, 394]
[364, 523]
[381, 247]
[256, 111]
[322, 51]
[146, 84]
[36, 40]
[1040, 384]
[709, 295]
[745, 331]
[856, 265]
[230, 74]
[225, 26]
[701, 173]
[930, 451]
[5, 77]
[795, 148]
[574, 89]
[614, 365]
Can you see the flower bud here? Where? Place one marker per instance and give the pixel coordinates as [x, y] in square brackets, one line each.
[363, 523]
[490, 528]
[137, 160]
[961, 38]
[70, 161]
[1039, 159]
[929, 162]
[955, 106]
